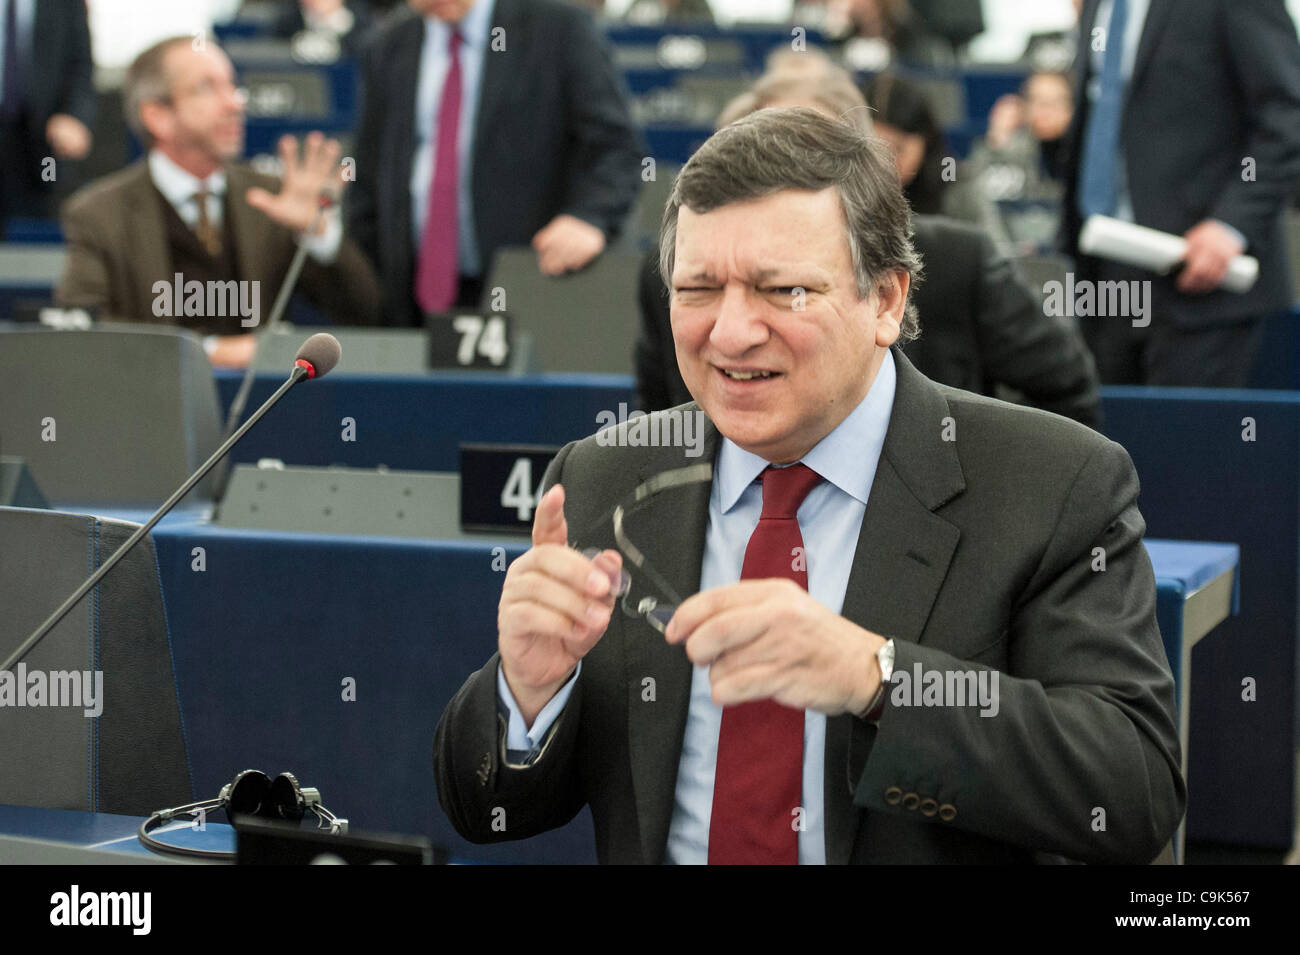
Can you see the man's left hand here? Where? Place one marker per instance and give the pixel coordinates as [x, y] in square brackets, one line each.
[68, 137]
[566, 244]
[769, 639]
[1210, 247]
[305, 179]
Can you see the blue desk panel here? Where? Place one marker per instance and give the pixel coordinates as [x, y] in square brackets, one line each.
[1203, 479]
[417, 422]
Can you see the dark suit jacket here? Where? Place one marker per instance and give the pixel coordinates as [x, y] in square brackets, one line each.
[1214, 82]
[58, 79]
[60, 75]
[980, 327]
[117, 250]
[552, 135]
[973, 553]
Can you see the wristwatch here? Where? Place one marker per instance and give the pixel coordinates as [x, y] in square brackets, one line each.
[874, 709]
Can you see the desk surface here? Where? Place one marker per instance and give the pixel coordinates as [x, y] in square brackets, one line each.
[101, 833]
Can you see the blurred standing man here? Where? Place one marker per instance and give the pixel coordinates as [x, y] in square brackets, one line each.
[47, 98]
[1188, 121]
[486, 123]
[189, 210]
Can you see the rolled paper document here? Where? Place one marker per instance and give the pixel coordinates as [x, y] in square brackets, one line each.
[1152, 249]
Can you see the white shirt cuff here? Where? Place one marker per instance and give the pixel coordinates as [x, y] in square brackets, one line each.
[324, 248]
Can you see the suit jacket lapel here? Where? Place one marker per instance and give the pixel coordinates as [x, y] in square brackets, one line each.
[148, 258]
[673, 526]
[901, 560]
[1157, 18]
[498, 70]
[403, 84]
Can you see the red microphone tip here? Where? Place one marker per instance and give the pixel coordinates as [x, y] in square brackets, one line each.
[304, 363]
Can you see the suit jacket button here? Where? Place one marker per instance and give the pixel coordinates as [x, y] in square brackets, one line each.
[484, 768]
[929, 807]
[892, 795]
[911, 801]
[947, 812]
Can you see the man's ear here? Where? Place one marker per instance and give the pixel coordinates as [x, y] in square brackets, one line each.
[891, 294]
[157, 119]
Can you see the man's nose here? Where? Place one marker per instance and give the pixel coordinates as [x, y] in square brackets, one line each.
[739, 325]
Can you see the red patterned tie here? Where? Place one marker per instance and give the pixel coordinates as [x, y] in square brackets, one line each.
[759, 778]
[436, 275]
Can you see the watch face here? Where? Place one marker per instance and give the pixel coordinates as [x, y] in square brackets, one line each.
[886, 657]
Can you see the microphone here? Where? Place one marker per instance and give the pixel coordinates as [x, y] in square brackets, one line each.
[317, 356]
[329, 197]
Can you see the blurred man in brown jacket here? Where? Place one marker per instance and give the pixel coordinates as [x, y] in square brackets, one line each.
[189, 237]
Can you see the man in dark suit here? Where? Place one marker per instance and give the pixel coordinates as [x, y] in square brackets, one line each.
[537, 146]
[47, 99]
[944, 539]
[1187, 121]
[188, 213]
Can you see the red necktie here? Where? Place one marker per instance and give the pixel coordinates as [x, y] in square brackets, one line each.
[436, 275]
[759, 779]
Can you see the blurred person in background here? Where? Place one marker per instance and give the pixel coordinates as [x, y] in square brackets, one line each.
[485, 124]
[903, 117]
[668, 11]
[1187, 121]
[347, 23]
[1021, 157]
[189, 212]
[876, 34]
[47, 101]
[982, 328]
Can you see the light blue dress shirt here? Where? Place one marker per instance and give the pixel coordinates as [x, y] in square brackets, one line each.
[1137, 18]
[434, 63]
[830, 519]
[26, 12]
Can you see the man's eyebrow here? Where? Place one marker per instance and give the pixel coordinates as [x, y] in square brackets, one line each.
[702, 276]
[759, 276]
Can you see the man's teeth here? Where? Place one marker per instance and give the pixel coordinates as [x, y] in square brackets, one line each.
[747, 375]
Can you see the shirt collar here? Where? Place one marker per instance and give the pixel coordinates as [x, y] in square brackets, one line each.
[839, 457]
[473, 26]
[177, 185]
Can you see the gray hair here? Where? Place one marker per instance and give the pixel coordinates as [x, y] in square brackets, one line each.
[147, 81]
[799, 148]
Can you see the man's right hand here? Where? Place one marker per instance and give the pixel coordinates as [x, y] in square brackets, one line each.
[555, 606]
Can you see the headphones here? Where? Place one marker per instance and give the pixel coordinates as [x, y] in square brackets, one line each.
[251, 793]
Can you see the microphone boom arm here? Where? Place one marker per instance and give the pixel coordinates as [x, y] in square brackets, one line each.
[298, 374]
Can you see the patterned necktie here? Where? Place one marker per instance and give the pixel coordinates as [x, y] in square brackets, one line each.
[1097, 176]
[758, 782]
[436, 275]
[205, 230]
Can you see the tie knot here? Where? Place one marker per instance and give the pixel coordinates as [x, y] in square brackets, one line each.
[785, 488]
[454, 40]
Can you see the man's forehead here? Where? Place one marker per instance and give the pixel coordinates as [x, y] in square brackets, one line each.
[186, 60]
[809, 233]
